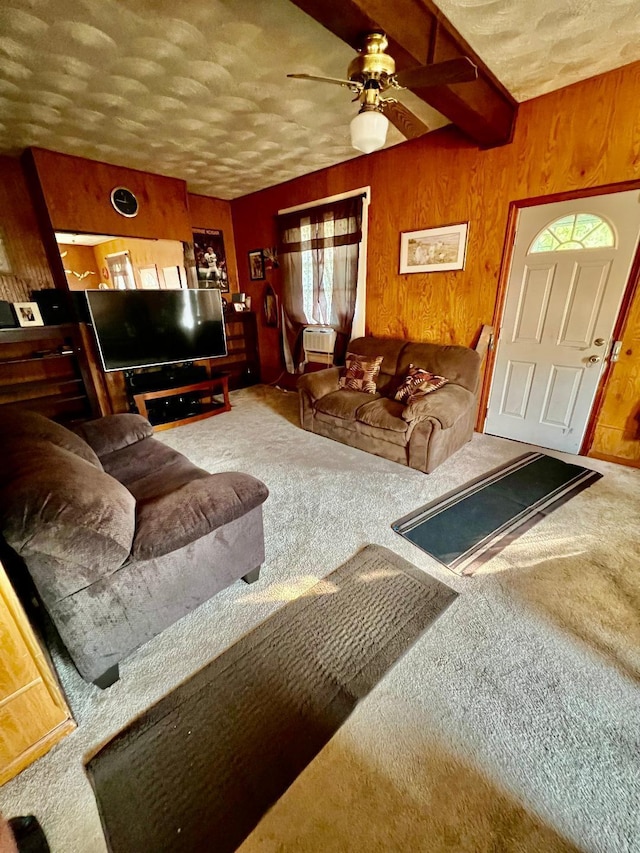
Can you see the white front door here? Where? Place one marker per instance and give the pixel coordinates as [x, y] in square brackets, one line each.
[570, 266]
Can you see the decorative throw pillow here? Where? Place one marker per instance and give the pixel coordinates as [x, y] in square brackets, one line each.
[360, 373]
[418, 383]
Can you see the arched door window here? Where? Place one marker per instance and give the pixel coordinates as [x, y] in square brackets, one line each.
[574, 232]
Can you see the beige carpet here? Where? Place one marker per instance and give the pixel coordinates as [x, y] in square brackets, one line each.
[514, 728]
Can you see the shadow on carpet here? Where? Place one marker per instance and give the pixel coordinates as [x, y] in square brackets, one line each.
[199, 769]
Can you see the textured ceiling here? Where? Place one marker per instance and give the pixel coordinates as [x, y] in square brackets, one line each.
[197, 89]
[536, 46]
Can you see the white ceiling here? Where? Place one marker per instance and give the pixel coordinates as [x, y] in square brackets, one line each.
[71, 239]
[198, 89]
[536, 46]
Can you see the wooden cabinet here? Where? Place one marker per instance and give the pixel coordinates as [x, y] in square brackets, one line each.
[242, 361]
[41, 368]
[200, 390]
[33, 713]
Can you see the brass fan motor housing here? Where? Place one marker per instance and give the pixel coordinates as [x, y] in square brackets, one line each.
[372, 62]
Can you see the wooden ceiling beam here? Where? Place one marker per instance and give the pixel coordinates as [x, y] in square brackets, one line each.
[418, 34]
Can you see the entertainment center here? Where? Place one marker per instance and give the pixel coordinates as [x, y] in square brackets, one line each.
[178, 394]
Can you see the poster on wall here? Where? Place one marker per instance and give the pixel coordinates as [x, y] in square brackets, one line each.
[211, 260]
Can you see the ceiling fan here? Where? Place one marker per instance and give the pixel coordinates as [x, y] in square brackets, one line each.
[372, 73]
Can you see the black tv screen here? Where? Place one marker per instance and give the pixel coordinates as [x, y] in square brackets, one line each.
[143, 328]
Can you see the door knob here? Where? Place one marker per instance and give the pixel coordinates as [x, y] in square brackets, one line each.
[594, 359]
[599, 342]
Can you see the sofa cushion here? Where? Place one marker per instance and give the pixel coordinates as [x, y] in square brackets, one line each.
[460, 365]
[342, 404]
[56, 504]
[418, 383]
[113, 432]
[174, 519]
[445, 407]
[360, 373]
[22, 423]
[383, 414]
[389, 349]
[137, 462]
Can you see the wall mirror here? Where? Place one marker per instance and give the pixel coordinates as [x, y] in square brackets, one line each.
[106, 262]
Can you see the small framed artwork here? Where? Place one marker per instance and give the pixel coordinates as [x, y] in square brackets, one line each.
[434, 249]
[256, 265]
[149, 277]
[28, 314]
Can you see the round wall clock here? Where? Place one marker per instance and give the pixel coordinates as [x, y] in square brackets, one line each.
[124, 201]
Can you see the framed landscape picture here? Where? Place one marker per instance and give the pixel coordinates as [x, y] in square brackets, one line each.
[434, 249]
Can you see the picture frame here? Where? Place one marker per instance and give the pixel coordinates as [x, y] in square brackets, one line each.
[211, 259]
[270, 307]
[434, 249]
[256, 265]
[28, 314]
[149, 279]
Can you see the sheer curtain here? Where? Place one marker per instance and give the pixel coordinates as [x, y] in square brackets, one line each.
[318, 251]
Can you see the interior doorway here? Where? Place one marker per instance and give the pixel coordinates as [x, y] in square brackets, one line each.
[570, 265]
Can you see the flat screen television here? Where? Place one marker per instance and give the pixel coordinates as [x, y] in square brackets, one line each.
[145, 328]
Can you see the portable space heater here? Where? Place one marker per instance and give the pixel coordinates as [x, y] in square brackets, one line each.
[319, 343]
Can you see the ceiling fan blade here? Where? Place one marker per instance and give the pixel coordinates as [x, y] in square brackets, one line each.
[440, 74]
[403, 119]
[348, 84]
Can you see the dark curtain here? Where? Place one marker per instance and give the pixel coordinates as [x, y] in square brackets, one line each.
[318, 250]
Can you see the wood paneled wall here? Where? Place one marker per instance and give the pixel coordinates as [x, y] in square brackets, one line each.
[79, 259]
[207, 212]
[21, 237]
[582, 136]
[77, 194]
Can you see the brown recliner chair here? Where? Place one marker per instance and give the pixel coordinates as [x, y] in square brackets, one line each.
[421, 435]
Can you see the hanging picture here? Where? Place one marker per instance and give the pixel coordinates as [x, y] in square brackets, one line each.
[211, 260]
[434, 249]
[256, 265]
[270, 307]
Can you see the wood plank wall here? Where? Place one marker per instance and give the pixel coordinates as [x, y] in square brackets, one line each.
[207, 212]
[21, 237]
[77, 193]
[581, 136]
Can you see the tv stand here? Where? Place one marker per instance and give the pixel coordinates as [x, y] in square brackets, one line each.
[218, 383]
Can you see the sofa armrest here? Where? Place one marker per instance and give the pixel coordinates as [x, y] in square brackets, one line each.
[320, 383]
[445, 406]
[173, 520]
[113, 432]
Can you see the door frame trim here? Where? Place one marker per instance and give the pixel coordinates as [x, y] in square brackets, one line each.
[631, 287]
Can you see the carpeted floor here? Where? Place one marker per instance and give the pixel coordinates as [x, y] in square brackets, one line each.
[511, 725]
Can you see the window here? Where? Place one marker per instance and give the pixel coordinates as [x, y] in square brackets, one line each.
[308, 261]
[121, 271]
[574, 232]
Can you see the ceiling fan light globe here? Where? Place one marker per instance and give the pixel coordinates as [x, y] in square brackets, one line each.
[369, 131]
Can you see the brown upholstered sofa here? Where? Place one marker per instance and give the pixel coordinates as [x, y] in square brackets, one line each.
[122, 535]
[422, 435]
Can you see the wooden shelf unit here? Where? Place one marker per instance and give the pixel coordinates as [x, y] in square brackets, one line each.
[210, 387]
[41, 370]
[33, 713]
